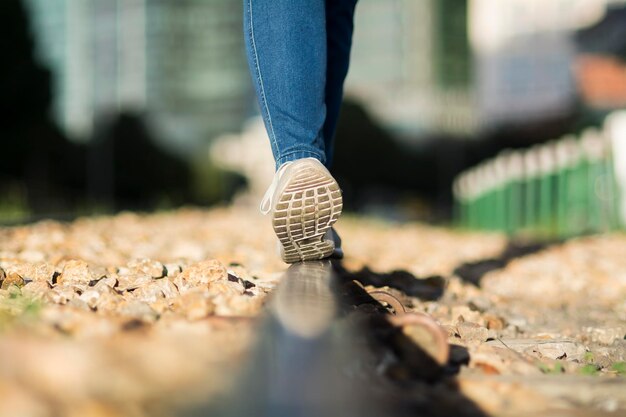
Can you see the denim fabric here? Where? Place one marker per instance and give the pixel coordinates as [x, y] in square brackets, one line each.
[298, 52]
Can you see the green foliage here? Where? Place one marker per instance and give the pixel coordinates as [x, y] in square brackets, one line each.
[15, 308]
[619, 367]
[589, 369]
[557, 369]
[211, 184]
[13, 204]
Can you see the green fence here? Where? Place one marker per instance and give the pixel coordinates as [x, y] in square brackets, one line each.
[566, 187]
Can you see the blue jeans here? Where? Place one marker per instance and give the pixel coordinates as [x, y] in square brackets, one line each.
[298, 52]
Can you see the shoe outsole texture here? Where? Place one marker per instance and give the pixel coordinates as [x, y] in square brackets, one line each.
[307, 207]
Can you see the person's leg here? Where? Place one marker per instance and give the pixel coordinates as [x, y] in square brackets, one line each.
[339, 28]
[286, 49]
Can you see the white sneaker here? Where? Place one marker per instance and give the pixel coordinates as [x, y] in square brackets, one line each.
[305, 201]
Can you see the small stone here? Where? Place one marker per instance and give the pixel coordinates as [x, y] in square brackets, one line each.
[59, 295]
[472, 332]
[98, 272]
[109, 301]
[518, 321]
[36, 289]
[78, 304]
[90, 297]
[494, 322]
[242, 306]
[148, 267]
[548, 348]
[167, 286]
[149, 293]
[226, 288]
[160, 306]
[12, 278]
[131, 282]
[194, 305]
[464, 313]
[450, 330]
[172, 270]
[480, 304]
[607, 335]
[500, 360]
[138, 310]
[109, 282]
[39, 271]
[204, 272]
[75, 272]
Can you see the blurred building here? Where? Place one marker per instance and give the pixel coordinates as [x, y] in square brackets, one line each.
[181, 62]
[525, 52]
[421, 67]
[411, 64]
[600, 67]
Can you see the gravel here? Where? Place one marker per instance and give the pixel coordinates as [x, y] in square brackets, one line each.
[138, 315]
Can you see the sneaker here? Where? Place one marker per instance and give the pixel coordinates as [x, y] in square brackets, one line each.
[305, 201]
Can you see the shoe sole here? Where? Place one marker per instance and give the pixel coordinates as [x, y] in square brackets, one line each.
[309, 205]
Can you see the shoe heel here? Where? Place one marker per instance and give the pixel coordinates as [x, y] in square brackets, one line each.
[308, 206]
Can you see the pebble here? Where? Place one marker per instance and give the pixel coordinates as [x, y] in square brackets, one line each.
[154, 269]
[172, 269]
[493, 359]
[204, 272]
[109, 301]
[90, 297]
[194, 305]
[36, 289]
[472, 332]
[75, 272]
[461, 313]
[607, 335]
[39, 271]
[167, 287]
[137, 310]
[12, 279]
[149, 293]
[480, 304]
[152, 272]
[552, 349]
[494, 322]
[59, 295]
[109, 282]
[131, 282]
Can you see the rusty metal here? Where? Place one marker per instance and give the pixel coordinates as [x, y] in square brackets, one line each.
[388, 301]
[425, 333]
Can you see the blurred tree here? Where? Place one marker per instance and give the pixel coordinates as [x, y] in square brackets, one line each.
[121, 167]
[24, 85]
[373, 166]
[127, 169]
[35, 152]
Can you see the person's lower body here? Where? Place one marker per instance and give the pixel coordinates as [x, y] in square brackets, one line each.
[298, 52]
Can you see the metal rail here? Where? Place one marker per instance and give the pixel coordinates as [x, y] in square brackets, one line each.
[326, 347]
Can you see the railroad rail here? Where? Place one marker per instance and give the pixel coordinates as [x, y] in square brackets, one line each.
[328, 347]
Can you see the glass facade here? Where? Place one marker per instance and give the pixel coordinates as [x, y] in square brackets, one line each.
[181, 62]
